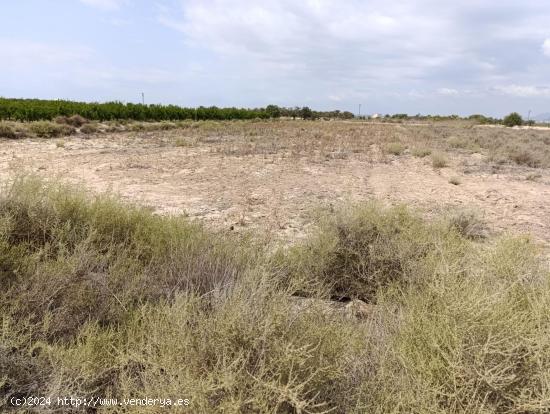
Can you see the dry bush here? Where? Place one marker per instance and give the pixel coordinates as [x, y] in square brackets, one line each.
[472, 339]
[454, 181]
[89, 129]
[468, 223]
[7, 131]
[166, 126]
[60, 119]
[182, 142]
[395, 148]
[77, 251]
[525, 157]
[361, 251]
[455, 142]
[77, 121]
[74, 120]
[439, 160]
[45, 129]
[421, 152]
[101, 299]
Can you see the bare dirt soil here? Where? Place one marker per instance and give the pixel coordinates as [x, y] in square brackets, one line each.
[271, 177]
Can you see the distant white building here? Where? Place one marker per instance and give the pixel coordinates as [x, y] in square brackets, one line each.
[375, 116]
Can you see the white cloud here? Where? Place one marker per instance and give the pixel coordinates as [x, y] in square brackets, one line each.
[330, 39]
[447, 92]
[523, 91]
[546, 47]
[108, 5]
[22, 53]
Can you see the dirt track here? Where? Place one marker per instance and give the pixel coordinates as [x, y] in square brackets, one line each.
[276, 193]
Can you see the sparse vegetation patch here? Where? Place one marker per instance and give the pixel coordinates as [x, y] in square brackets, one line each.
[102, 298]
[439, 160]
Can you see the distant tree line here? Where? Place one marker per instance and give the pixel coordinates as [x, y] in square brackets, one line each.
[307, 113]
[480, 119]
[38, 109]
[511, 120]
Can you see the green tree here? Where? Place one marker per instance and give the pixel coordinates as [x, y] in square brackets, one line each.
[306, 113]
[273, 111]
[512, 119]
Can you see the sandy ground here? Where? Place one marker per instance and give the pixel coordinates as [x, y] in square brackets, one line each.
[276, 193]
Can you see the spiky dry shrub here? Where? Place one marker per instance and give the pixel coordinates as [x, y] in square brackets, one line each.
[461, 328]
[471, 341]
[103, 299]
[75, 259]
[77, 121]
[525, 157]
[394, 148]
[242, 353]
[152, 126]
[45, 129]
[7, 131]
[421, 152]
[61, 119]
[74, 120]
[439, 160]
[13, 130]
[468, 223]
[89, 128]
[363, 250]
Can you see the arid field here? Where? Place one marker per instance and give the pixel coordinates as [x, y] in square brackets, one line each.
[280, 266]
[271, 176]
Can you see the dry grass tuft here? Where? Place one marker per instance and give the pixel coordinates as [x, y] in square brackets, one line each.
[395, 148]
[421, 152]
[439, 160]
[454, 181]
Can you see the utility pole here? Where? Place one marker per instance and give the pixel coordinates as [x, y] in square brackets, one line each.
[528, 117]
[359, 110]
[143, 98]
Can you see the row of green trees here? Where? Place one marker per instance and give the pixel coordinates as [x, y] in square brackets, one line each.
[38, 109]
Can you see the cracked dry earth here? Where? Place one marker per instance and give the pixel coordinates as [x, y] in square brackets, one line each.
[276, 192]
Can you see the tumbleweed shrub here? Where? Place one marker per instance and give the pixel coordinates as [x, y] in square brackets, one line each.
[421, 152]
[7, 131]
[90, 128]
[474, 341]
[524, 157]
[394, 148]
[245, 353]
[236, 349]
[46, 129]
[439, 160]
[73, 258]
[468, 223]
[75, 120]
[103, 299]
[361, 250]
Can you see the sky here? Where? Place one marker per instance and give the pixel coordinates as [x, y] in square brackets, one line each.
[418, 56]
